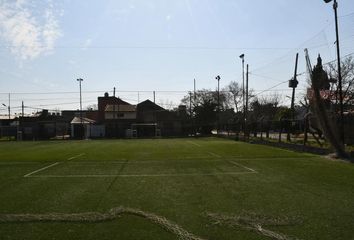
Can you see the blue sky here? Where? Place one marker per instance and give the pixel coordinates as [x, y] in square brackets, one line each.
[161, 45]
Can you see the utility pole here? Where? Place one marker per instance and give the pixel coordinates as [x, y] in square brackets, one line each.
[335, 7]
[218, 117]
[194, 103]
[114, 91]
[242, 56]
[80, 80]
[293, 84]
[246, 108]
[23, 109]
[8, 107]
[154, 96]
[190, 105]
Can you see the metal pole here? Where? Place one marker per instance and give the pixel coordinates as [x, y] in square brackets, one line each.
[190, 105]
[23, 111]
[242, 56]
[8, 107]
[243, 90]
[246, 108]
[218, 117]
[194, 103]
[80, 80]
[335, 6]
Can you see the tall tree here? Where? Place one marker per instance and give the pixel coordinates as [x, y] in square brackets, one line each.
[347, 70]
[233, 92]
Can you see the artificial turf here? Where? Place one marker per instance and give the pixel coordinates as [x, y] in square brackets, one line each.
[180, 179]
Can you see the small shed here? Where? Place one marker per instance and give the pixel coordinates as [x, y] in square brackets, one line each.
[81, 127]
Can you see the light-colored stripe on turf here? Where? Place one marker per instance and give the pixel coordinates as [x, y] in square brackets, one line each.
[41, 169]
[71, 158]
[140, 175]
[214, 154]
[18, 163]
[269, 158]
[240, 165]
[196, 144]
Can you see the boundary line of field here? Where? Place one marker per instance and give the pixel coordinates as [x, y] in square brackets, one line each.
[41, 169]
[269, 158]
[79, 155]
[140, 175]
[240, 165]
[19, 163]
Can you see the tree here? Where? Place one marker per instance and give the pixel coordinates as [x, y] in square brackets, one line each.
[265, 107]
[92, 107]
[347, 70]
[233, 92]
[204, 105]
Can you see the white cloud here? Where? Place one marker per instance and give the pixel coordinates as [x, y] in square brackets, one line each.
[86, 44]
[29, 30]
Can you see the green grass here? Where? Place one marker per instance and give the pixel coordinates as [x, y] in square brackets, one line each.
[179, 179]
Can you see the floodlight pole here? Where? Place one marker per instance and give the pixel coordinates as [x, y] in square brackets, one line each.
[242, 56]
[218, 118]
[335, 7]
[80, 80]
[246, 107]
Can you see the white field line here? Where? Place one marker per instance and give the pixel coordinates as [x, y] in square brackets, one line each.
[144, 162]
[214, 154]
[139, 175]
[195, 144]
[41, 169]
[18, 163]
[71, 158]
[240, 165]
[268, 158]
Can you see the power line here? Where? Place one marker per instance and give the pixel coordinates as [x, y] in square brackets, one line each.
[268, 89]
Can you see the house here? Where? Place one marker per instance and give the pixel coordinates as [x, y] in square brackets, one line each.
[154, 120]
[107, 100]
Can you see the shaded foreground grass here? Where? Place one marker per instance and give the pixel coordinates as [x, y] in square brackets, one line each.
[315, 190]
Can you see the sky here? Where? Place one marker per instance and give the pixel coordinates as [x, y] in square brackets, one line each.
[141, 46]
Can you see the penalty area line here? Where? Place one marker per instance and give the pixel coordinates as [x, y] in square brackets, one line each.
[140, 175]
[41, 169]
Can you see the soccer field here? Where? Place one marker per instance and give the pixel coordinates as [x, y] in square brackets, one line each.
[204, 188]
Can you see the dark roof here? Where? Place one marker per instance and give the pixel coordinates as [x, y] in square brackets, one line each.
[113, 100]
[148, 105]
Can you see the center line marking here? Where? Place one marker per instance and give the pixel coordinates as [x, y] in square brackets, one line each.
[71, 158]
[41, 169]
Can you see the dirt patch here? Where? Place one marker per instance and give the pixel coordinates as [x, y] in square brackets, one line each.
[94, 217]
[254, 223]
